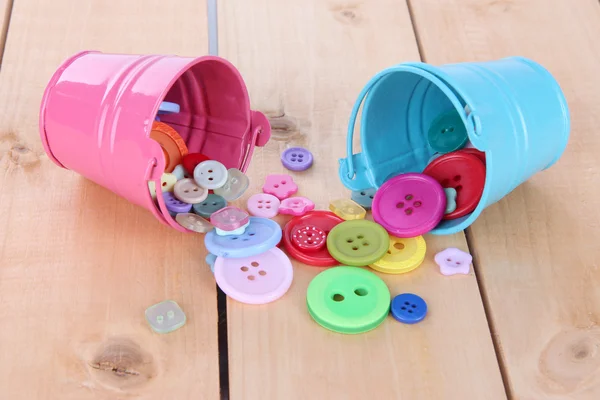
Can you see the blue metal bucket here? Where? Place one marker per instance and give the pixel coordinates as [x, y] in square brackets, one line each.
[512, 108]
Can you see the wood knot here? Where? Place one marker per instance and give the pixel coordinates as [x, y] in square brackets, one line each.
[283, 127]
[23, 156]
[121, 363]
[571, 360]
[346, 14]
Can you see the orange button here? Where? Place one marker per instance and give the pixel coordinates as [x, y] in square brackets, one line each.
[173, 145]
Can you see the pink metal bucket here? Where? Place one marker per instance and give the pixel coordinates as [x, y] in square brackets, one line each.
[98, 109]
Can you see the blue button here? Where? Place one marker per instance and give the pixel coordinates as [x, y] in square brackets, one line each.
[166, 107]
[364, 197]
[408, 308]
[212, 203]
[262, 234]
[210, 260]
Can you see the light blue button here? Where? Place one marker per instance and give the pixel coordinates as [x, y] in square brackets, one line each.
[166, 107]
[364, 197]
[165, 317]
[210, 260]
[180, 172]
[262, 234]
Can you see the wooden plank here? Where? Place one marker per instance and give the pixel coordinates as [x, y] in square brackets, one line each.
[537, 250]
[305, 63]
[79, 265]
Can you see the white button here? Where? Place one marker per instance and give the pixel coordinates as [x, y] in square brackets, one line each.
[210, 174]
[188, 191]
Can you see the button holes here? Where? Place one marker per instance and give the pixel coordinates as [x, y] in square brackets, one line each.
[349, 240]
[458, 263]
[186, 191]
[309, 242]
[245, 239]
[205, 204]
[210, 179]
[268, 201]
[234, 238]
[361, 292]
[449, 259]
[210, 171]
[275, 186]
[399, 246]
[234, 180]
[337, 297]
[362, 193]
[403, 308]
[414, 306]
[214, 204]
[370, 197]
[365, 243]
[389, 252]
[244, 268]
[451, 129]
[445, 182]
[293, 160]
[301, 155]
[417, 204]
[408, 211]
[409, 197]
[459, 188]
[400, 205]
[262, 273]
[309, 233]
[456, 178]
[260, 201]
[294, 154]
[186, 177]
[269, 207]
[360, 236]
[251, 234]
[410, 311]
[260, 207]
[283, 182]
[195, 189]
[354, 248]
[250, 277]
[254, 264]
[164, 183]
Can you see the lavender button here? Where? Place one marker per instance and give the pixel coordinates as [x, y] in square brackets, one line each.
[174, 205]
[297, 159]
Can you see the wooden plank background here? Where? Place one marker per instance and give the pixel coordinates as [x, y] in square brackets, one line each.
[78, 265]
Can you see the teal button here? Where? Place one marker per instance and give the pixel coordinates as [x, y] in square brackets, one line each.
[211, 204]
[447, 133]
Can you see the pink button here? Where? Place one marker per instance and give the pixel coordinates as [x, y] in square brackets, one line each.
[409, 205]
[280, 186]
[257, 279]
[263, 205]
[453, 261]
[296, 206]
[229, 218]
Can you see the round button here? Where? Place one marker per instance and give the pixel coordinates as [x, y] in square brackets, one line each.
[348, 300]
[296, 206]
[408, 308]
[189, 192]
[321, 220]
[309, 238]
[193, 222]
[174, 205]
[257, 279]
[261, 235]
[409, 205]
[463, 172]
[191, 160]
[477, 153]
[447, 133]
[263, 205]
[210, 174]
[211, 204]
[364, 197]
[403, 255]
[358, 242]
[167, 183]
[229, 218]
[297, 159]
[173, 146]
[235, 186]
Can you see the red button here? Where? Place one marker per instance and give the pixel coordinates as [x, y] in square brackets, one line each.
[475, 152]
[309, 238]
[316, 253]
[191, 160]
[463, 172]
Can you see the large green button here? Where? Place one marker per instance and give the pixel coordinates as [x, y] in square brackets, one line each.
[348, 300]
[358, 242]
[447, 133]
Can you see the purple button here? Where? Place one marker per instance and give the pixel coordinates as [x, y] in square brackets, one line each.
[175, 205]
[297, 159]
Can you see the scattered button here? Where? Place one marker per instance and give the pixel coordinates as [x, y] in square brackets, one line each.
[450, 200]
[235, 186]
[280, 186]
[173, 146]
[165, 316]
[403, 255]
[255, 279]
[358, 242]
[453, 261]
[166, 107]
[191, 160]
[408, 308]
[309, 238]
[364, 198]
[409, 205]
[263, 205]
[211, 204]
[296, 206]
[347, 209]
[189, 192]
[210, 260]
[261, 235]
[348, 300]
[167, 182]
[180, 172]
[229, 219]
[237, 231]
[174, 205]
[210, 174]
[447, 133]
[463, 172]
[322, 221]
[297, 159]
[193, 222]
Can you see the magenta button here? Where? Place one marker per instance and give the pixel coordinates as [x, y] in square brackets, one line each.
[409, 205]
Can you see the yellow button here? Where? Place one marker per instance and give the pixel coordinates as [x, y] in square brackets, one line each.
[347, 209]
[403, 255]
[167, 182]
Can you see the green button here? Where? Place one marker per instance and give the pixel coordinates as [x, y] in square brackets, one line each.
[447, 133]
[358, 242]
[348, 300]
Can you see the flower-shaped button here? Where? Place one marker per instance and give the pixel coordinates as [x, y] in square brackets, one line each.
[403, 255]
[297, 159]
[309, 238]
[450, 200]
[189, 192]
[447, 133]
[280, 186]
[193, 222]
[408, 308]
[211, 204]
[347, 209]
[191, 160]
[348, 300]
[210, 174]
[167, 182]
[263, 205]
[364, 198]
[453, 261]
[296, 206]
[236, 185]
[174, 205]
[409, 205]
[358, 242]
[229, 218]
[165, 317]
[261, 235]
[256, 279]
